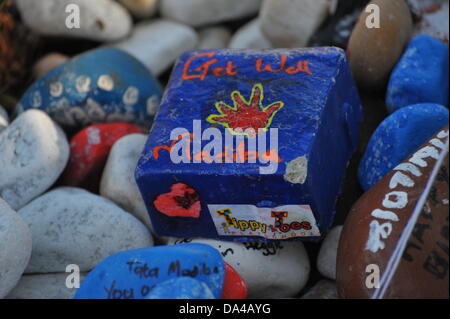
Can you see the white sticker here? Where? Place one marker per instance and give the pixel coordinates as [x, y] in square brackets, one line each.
[282, 222]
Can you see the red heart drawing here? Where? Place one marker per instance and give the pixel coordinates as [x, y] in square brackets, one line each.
[182, 201]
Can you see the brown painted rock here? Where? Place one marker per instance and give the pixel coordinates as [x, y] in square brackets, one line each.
[377, 220]
[373, 52]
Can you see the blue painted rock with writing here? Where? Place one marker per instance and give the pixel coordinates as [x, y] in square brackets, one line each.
[251, 143]
[99, 86]
[134, 274]
[421, 76]
[181, 288]
[398, 136]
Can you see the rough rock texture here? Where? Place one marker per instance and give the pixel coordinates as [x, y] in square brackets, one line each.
[72, 226]
[15, 248]
[33, 153]
[43, 286]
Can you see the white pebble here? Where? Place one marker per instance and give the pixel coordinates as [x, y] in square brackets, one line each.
[158, 44]
[326, 261]
[250, 37]
[202, 12]
[118, 183]
[4, 119]
[33, 153]
[102, 20]
[72, 226]
[213, 38]
[291, 23]
[15, 248]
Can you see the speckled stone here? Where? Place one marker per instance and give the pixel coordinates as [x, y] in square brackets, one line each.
[421, 76]
[15, 248]
[202, 12]
[72, 226]
[33, 153]
[270, 270]
[99, 86]
[44, 286]
[102, 20]
[397, 137]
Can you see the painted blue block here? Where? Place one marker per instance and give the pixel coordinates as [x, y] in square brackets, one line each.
[306, 96]
[399, 135]
[181, 288]
[100, 86]
[421, 75]
[134, 274]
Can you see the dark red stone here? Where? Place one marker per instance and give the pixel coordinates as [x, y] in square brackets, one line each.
[89, 151]
[234, 286]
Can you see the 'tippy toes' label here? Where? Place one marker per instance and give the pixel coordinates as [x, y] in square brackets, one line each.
[281, 222]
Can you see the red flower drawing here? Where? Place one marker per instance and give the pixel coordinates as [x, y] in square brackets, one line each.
[181, 201]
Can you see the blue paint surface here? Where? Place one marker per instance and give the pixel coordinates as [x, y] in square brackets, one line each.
[135, 273]
[398, 136]
[100, 86]
[181, 288]
[319, 120]
[421, 75]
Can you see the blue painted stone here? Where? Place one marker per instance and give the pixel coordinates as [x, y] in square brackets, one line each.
[421, 75]
[307, 94]
[181, 288]
[99, 86]
[397, 136]
[134, 274]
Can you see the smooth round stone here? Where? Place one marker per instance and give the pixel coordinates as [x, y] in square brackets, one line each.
[33, 153]
[421, 75]
[291, 23]
[274, 270]
[373, 52]
[89, 151]
[72, 226]
[4, 119]
[202, 12]
[140, 8]
[326, 261]
[44, 286]
[234, 286]
[133, 274]
[101, 20]
[118, 183]
[397, 137]
[181, 288]
[377, 229]
[324, 289]
[250, 37]
[15, 248]
[213, 38]
[100, 86]
[48, 62]
[158, 43]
